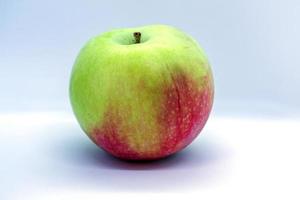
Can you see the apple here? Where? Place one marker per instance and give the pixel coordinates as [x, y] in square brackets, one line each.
[142, 93]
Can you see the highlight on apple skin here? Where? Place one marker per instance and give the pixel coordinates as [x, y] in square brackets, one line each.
[142, 93]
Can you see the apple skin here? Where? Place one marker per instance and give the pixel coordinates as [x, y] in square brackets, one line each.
[142, 101]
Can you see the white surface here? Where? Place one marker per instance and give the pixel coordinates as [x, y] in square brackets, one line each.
[47, 156]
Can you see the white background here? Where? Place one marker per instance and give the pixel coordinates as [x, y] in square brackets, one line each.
[249, 147]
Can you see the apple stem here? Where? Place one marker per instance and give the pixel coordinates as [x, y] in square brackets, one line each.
[137, 36]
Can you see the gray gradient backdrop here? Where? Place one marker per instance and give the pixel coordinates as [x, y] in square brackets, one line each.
[253, 47]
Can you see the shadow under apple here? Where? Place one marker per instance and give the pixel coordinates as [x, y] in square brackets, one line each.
[87, 165]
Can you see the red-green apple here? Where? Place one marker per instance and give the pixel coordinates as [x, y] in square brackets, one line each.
[142, 93]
